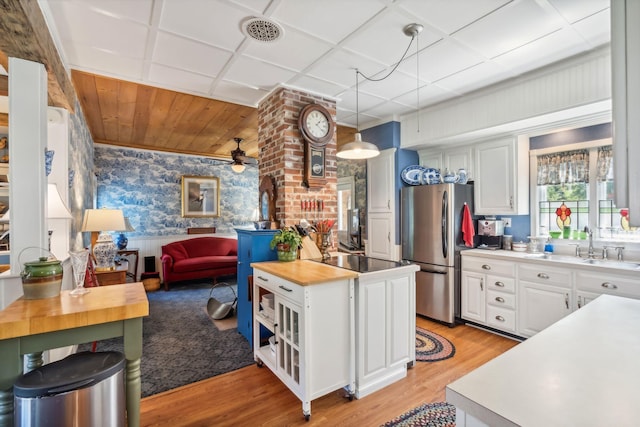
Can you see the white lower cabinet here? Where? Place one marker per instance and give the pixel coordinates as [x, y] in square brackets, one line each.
[385, 329]
[544, 296]
[488, 293]
[306, 340]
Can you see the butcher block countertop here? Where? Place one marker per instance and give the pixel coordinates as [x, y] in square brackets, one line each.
[581, 371]
[303, 272]
[102, 304]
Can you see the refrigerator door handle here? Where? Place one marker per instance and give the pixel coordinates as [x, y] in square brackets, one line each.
[445, 212]
[433, 271]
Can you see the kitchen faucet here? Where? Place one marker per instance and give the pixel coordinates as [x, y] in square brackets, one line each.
[591, 253]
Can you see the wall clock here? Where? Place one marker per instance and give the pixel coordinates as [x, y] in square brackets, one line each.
[317, 128]
[316, 125]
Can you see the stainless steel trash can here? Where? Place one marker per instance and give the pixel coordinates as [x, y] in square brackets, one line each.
[83, 389]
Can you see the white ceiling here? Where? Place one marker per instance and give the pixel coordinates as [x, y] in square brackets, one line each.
[198, 46]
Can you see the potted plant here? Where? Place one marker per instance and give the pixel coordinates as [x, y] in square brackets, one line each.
[287, 242]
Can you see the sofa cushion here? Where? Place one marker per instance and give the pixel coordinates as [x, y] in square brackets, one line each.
[210, 246]
[204, 263]
[175, 250]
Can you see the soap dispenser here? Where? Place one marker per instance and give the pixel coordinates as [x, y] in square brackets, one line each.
[548, 247]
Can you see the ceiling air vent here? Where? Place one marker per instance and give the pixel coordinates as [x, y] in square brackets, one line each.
[262, 30]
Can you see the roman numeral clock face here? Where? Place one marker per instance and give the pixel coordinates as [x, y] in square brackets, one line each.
[317, 128]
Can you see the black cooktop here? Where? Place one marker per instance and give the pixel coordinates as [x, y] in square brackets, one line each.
[361, 264]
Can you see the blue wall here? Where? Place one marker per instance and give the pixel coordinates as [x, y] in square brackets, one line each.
[146, 185]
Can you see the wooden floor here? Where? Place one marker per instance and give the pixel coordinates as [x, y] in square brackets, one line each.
[253, 396]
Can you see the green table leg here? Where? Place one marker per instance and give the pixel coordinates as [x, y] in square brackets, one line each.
[10, 371]
[133, 352]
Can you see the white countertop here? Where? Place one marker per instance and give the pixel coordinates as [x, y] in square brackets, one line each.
[582, 371]
[630, 267]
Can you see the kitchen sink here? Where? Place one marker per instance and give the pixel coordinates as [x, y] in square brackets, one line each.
[620, 265]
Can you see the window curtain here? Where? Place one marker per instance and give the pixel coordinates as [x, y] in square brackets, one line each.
[568, 167]
[605, 163]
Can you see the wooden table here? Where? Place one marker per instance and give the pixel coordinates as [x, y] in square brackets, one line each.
[113, 277]
[136, 253]
[32, 326]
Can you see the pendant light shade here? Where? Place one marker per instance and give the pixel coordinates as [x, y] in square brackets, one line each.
[238, 167]
[358, 149]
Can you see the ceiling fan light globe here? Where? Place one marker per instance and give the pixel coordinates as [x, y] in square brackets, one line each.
[238, 167]
[358, 149]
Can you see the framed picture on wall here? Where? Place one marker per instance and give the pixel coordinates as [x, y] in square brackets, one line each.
[200, 196]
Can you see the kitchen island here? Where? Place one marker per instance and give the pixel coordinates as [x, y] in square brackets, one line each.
[581, 371]
[335, 326]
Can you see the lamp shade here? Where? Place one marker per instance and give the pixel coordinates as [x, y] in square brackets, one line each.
[358, 149]
[55, 206]
[103, 220]
[238, 167]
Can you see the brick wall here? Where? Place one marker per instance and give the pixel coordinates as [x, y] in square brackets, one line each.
[282, 155]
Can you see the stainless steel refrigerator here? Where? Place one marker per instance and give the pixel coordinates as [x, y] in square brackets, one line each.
[431, 227]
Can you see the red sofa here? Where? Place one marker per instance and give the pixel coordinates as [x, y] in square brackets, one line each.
[199, 258]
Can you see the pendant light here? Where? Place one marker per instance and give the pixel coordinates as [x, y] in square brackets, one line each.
[358, 149]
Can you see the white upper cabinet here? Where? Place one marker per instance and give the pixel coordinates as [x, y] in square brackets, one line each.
[380, 181]
[453, 159]
[502, 177]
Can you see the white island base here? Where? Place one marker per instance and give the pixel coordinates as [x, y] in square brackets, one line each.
[582, 371]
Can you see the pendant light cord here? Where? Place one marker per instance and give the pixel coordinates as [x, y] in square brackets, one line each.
[390, 72]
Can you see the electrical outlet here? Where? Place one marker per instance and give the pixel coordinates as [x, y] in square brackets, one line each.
[506, 222]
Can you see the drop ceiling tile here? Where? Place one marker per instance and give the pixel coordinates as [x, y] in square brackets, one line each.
[339, 67]
[365, 101]
[330, 20]
[429, 95]
[129, 39]
[318, 86]
[257, 6]
[101, 62]
[574, 11]
[307, 50]
[396, 84]
[388, 109]
[440, 60]
[449, 16]
[508, 28]
[257, 74]
[345, 118]
[484, 74]
[189, 55]
[179, 80]
[211, 22]
[544, 51]
[596, 28]
[234, 92]
[139, 10]
[384, 41]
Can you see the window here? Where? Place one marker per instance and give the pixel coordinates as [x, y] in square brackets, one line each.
[574, 190]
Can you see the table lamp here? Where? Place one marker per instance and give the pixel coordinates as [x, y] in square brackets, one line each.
[99, 222]
[122, 240]
[56, 208]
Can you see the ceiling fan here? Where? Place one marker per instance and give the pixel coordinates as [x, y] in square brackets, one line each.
[239, 159]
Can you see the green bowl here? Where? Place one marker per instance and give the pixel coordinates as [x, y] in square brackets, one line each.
[555, 234]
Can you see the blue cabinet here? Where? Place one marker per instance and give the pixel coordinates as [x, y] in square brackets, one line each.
[253, 246]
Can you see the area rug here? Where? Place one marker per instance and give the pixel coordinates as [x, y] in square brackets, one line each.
[181, 344]
[438, 414]
[431, 347]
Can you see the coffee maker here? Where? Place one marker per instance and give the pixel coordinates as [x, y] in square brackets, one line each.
[490, 231]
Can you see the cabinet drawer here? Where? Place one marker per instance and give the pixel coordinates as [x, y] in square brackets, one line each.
[544, 274]
[502, 284]
[486, 265]
[501, 299]
[279, 286]
[608, 284]
[501, 318]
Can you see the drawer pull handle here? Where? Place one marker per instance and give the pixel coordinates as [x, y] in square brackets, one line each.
[500, 318]
[609, 285]
[499, 284]
[262, 278]
[499, 299]
[284, 288]
[486, 267]
[543, 275]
